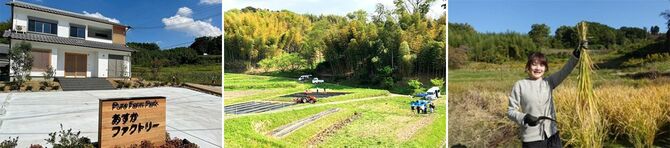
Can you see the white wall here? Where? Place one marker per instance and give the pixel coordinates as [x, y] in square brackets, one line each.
[102, 63]
[21, 18]
[98, 40]
[96, 64]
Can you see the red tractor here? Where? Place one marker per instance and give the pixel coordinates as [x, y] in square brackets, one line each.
[307, 99]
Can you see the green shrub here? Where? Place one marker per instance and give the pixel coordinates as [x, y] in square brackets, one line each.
[9, 143]
[658, 57]
[633, 62]
[387, 82]
[416, 86]
[68, 139]
[439, 82]
[49, 73]
[284, 62]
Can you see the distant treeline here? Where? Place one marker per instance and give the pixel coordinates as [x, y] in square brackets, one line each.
[204, 50]
[395, 42]
[465, 41]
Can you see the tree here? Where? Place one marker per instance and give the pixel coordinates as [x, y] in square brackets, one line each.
[438, 82]
[540, 34]
[6, 25]
[374, 51]
[654, 30]
[420, 7]
[359, 15]
[208, 45]
[144, 52]
[49, 75]
[22, 62]
[407, 59]
[143, 46]
[416, 86]
[180, 55]
[567, 36]
[458, 58]
[666, 14]
[462, 35]
[631, 34]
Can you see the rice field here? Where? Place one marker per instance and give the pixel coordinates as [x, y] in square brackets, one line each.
[365, 117]
[632, 112]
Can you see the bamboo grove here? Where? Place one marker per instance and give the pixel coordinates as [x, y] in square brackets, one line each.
[391, 42]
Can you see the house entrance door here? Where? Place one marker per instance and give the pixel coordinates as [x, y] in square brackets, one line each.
[75, 65]
[115, 66]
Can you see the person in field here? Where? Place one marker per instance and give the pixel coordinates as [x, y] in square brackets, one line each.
[531, 104]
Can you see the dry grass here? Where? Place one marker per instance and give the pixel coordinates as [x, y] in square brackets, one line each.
[634, 112]
[479, 119]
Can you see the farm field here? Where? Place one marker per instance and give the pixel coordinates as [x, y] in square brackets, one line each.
[200, 74]
[359, 118]
[634, 105]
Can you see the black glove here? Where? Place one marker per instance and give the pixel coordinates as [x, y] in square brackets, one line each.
[577, 52]
[530, 120]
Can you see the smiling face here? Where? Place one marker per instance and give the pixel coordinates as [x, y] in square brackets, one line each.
[536, 70]
[536, 66]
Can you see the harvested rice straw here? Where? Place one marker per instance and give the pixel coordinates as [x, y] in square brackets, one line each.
[592, 124]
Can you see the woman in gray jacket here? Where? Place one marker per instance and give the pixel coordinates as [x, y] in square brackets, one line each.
[531, 104]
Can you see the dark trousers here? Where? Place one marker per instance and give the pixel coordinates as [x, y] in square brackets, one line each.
[552, 142]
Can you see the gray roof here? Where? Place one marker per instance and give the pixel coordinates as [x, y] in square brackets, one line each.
[28, 36]
[59, 12]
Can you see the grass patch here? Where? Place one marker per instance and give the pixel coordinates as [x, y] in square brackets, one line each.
[200, 74]
[378, 126]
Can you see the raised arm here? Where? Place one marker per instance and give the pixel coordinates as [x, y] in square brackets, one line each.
[556, 78]
[513, 109]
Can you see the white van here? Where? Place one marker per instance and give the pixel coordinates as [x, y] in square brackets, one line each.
[433, 93]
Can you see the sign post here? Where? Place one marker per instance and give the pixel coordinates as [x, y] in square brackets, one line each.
[126, 121]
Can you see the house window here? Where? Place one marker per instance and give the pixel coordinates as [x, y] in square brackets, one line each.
[77, 31]
[100, 33]
[42, 26]
[41, 59]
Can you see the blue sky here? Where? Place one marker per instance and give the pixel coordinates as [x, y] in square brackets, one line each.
[170, 23]
[337, 7]
[519, 15]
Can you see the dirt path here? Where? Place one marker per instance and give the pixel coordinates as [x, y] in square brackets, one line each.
[321, 136]
[286, 129]
[409, 130]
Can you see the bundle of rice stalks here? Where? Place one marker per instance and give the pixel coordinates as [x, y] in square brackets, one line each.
[591, 122]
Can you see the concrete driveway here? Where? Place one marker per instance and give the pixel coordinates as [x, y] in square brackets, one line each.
[192, 115]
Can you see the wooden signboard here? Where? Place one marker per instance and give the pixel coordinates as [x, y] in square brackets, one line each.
[126, 121]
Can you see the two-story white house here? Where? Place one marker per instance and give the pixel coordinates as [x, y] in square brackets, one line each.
[75, 45]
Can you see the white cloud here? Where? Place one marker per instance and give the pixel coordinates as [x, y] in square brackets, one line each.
[98, 15]
[185, 11]
[210, 2]
[183, 22]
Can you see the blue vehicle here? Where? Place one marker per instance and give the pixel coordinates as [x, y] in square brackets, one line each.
[425, 104]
